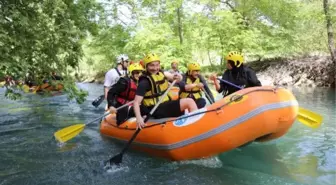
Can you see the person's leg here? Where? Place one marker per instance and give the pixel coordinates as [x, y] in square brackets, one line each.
[168, 109]
[200, 102]
[143, 110]
[122, 115]
[187, 103]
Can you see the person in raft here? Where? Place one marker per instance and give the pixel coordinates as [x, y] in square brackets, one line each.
[152, 85]
[123, 92]
[113, 75]
[236, 73]
[192, 85]
[174, 67]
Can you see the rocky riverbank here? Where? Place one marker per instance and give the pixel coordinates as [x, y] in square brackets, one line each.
[311, 71]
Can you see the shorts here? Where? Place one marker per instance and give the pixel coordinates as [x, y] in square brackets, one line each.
[166, 110]
[200, 102]
[122, 114]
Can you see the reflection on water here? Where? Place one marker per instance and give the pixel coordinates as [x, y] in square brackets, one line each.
[30, 155]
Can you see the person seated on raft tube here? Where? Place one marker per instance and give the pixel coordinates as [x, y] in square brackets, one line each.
[237, 74]
[54, 76]
[152, 85]
[192, 84]
[174, 67]
[123, 92]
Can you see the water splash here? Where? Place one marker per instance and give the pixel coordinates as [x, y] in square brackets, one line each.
[111, 169]
[212, 162]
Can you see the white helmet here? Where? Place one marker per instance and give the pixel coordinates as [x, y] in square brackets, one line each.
[122, 58]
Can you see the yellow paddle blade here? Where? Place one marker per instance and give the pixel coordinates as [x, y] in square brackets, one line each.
[25, 88]
[309, 118]
[68, 133]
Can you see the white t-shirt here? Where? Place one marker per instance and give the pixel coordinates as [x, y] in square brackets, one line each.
[174, 72]
[112, 76]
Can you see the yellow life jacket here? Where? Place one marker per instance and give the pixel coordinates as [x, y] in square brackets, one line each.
[195, 92]
[159, 84]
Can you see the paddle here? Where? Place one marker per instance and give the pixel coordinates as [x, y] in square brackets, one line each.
[307, 117]
[70, 132]
[98, 101]
[117, 159]
[207, 96]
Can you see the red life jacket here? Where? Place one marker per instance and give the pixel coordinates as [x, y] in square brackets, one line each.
[129, 94]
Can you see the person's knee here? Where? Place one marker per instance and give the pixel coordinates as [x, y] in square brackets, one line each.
[188, 103]
[200, 103]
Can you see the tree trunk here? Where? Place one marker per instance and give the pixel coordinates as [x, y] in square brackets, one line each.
[209, 57]
[331, 44]
[222, 47]
[179, 24]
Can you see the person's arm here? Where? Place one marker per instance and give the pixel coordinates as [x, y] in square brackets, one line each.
[213, 77]
[142, 88]
[188, 87]
[184, 86]
[107, 83]
[172, 77]
[136, 106]
[111, 78]
[116, 89]
[106, 89]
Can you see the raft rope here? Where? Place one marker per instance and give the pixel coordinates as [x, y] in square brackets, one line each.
[234, 98]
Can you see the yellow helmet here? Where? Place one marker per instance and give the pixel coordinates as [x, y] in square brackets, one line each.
[236, 57]
[135, 67]
[193, 66]
[150, 58]
[175, 61]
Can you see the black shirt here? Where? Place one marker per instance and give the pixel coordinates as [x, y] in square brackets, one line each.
[143, 86]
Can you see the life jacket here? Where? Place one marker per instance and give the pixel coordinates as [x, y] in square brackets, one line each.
[159, 84]
[195, 92]
[129, 94]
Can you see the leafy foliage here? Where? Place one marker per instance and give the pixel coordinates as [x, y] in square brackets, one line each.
[211, 28]
[38, 37]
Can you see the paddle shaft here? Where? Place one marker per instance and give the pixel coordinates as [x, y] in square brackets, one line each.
[208, 96]
[107, 113]
[145, 120]
[227, 82]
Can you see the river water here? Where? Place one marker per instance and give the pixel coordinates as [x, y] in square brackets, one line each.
[30, 155]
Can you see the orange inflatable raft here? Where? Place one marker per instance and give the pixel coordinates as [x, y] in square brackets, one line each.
[252, 114]
[46, 87]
